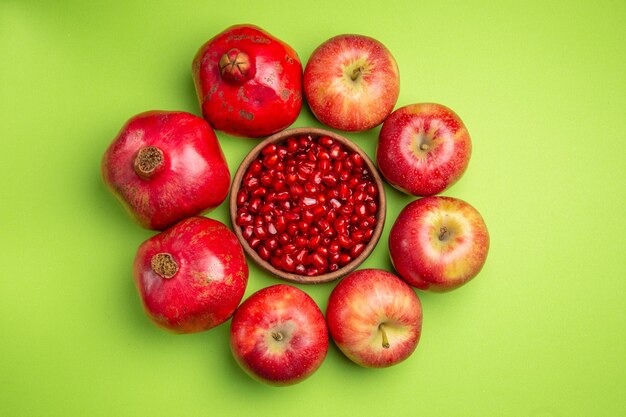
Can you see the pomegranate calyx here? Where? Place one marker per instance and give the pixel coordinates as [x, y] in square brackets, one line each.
[164, 265]
[148, 161]
[235, 66]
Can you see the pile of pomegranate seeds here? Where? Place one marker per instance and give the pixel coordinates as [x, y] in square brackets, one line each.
[308, 205]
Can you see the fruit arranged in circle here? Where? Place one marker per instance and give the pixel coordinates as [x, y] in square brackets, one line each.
[438, 243]
[279, 336]
[423, 149]
[374, 318]
[165, 166]
[351, 82]
[307, 205]
[192, 276]
[248, 82]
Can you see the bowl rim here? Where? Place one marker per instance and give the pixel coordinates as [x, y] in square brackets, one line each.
[288, 276]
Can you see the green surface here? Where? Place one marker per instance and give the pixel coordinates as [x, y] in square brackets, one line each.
[540, 332]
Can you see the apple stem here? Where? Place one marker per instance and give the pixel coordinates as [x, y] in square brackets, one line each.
[356, 73]
[381, 327]
[443, 233]
[278, 336]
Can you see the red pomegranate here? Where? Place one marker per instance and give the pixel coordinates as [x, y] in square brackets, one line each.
[192, 276]
[166, 166]
[248, 82]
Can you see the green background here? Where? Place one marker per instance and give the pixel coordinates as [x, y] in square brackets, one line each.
[540, 332]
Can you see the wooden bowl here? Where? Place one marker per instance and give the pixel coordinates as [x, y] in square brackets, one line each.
[292, 277]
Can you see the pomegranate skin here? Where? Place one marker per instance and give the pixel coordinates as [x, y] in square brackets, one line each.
[209, 277]
[189, 177]
[248, 82]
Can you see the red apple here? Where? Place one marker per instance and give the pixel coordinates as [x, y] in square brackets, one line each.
[351, 82]
[278, 335]
[192, 276]
[423, 149]
[374, 318]
[438, 243]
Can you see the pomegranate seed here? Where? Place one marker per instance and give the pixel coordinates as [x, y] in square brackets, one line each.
[290, 248]
[271, 244]
[253, 207]
[284, 239]
[360, 195]
[300, 241]
[333, 267]
[291, 178]
[344, 241]
[344, 191]
[279, 185]
[242, 197]
[318, 212]
[314, 242]
[372, 207]
[326, 141]
[260, 232]
[323, 165]
[281, 223]
[335, 151]
[330, 179]
[296, 190]
[247, 232]
[292, 229]
[311, 272]
[300, 256]
[324, 155]
[266, 208]
[276, 262]
[361, 210]
[344, 259]
[251, 183]
[318, 260]
[307, 215]
[271, 229]
[291, 216]
[357, 159]
[269, 150]
[264, 253]
[357, 236]
[292, 145]
[244, 219]
[256, 167]
[334, 247]
[304, 226]
[259, 192]
[270, 160]
[357, 250]
[300, 269]
[254, 242]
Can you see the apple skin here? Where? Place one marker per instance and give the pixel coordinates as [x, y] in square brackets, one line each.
[351, 82]
[362, 302]
[438, 243]
[278, 335]
[423, 149]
